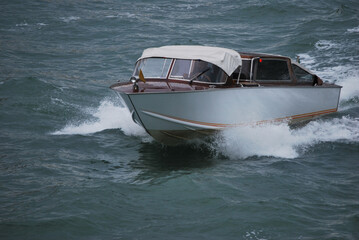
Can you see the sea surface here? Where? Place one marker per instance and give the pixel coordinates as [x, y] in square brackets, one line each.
[73, 165]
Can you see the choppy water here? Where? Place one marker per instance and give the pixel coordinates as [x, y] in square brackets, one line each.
[74, 166]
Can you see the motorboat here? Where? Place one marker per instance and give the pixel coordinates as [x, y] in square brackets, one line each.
[183, 92]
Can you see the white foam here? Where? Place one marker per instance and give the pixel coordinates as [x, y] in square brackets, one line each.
[325, 45]
[24, 24]
[122, 15]
[306, 60]
[279, 140]
[69, 19]
[350, 83]
[255, 235]
[353, 30]
[107, 116]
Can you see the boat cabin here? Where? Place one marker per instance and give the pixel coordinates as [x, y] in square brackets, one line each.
[273, 69]
[186, 68]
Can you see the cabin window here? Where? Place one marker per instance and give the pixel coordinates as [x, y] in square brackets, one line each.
[181, 69]
[153, 67]
[207, 72]
[302, 75]
[197, 70]
[272, 70]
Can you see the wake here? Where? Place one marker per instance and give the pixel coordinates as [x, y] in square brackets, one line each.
[279, 140]
[106, 116]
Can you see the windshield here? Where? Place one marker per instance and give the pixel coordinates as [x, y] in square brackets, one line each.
[193, 70]
[197, 70]
[153, 67]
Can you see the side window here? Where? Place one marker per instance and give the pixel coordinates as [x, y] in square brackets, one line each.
[246, 69]
[207, 72]
[302, 75]
[181, 69]
[272, 70]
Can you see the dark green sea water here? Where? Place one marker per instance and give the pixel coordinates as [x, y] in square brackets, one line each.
[74, 166]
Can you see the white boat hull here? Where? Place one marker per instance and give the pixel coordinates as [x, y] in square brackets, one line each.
[171, 116]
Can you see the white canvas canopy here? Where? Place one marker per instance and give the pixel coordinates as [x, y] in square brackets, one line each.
[227, 59]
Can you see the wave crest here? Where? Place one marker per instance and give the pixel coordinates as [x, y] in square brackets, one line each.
[106, 116]
[279, 140]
